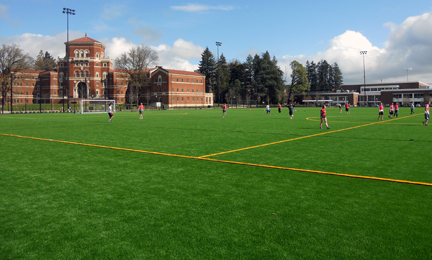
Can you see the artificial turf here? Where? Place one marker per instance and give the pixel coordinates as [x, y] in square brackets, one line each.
[69, 201]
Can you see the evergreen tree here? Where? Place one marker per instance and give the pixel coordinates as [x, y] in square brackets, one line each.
[337, 76]
[237, 78]
[268, 78]
[207, 67]
[311, 69]
[249, 77]
[44, 61]
[224, 77]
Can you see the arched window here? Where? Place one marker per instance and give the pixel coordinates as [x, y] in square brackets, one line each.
[77, 74]
[87, 54]
[76, 54]
[82, 54]
[97, 75]
[87, 73]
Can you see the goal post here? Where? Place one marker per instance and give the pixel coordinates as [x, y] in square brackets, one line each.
[96, 105]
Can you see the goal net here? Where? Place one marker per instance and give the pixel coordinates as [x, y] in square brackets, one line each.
[96, 106]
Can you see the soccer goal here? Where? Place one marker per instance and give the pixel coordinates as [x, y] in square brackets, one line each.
[96, 106]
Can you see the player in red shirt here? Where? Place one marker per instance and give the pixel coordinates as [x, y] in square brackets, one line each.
[279, 107]
[427, 115]
[347, 108]
[324, 117]
[224, 108]
[381, 112]
[141, 108]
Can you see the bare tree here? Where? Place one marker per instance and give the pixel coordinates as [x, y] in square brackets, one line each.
[12, 59]
[135, 63]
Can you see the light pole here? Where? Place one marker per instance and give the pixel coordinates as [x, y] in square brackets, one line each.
[364, 76]
[12, 76]
[218, 44]
[67, 11]
[407, 69]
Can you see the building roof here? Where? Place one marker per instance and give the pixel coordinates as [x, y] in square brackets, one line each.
[85, 39]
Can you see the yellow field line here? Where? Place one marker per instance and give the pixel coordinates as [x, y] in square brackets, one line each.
[298, 138]
[225, 161]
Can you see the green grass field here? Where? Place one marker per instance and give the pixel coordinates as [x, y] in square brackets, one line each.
[189, 184]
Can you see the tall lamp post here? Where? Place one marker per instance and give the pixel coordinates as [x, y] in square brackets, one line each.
[67, 11]
[407, 69]
[364, 76]
[12, 76]
[218, 44]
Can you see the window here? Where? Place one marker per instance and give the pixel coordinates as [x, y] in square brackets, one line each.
[188, 99]
[82, 54]
[193, 99]
[155, 80]
[182, 80]
[192, 81]
[177, 99]
[122, 92]
[187, 80]
[61, 65]
[27, 93]
[418, 95]
[97, 75]
[397, 95]
[77, 74]
[97, 83]
[201, 99]
[55, 93]
[87, 54]
[97, 63]
[97, 91]
[182, 98]
[172, 79]
[177, 90]
[76, 54]
[177, 79]
[182, 90]
[97, 56]
[87, 73]
[82, 74]
[76, 64]
[187, 90]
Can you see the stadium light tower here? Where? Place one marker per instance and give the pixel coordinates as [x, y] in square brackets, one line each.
[364, 76]
[407, 69]
[68, 12]
[218, 44]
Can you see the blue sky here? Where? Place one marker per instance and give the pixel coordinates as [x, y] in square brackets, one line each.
[395, 33]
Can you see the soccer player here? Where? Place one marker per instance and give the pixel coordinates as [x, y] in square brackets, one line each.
[110, 112]
[391, 111]
[324, 117]
[279, 107]
[427, 115]
[268, 109]
[381, 112]
[347, 108]
[412, 108]
[291, 109]
[396, 112]
[224, 108]
[340, 108]
[141, 108]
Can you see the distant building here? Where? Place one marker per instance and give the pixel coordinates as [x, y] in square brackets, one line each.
[92, 76]
[404, 93]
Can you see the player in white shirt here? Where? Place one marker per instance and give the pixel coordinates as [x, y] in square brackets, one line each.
[268, 110]
[110, 112]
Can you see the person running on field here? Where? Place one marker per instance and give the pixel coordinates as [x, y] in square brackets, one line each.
[110, 112]
[427, 115]
[391, 111]
[396, 112]
[347, 108]
[412, 108]
[141, 108]
[279, 108]
[291, 109]
[224, 108]
[268, 109]
[381, 112]
[340, 108]
[324, 117]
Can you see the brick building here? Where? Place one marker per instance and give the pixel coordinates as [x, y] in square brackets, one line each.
[92, 76]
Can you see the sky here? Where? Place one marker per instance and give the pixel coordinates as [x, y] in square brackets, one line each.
[396, 34]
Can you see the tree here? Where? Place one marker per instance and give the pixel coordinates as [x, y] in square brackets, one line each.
[207, 67]
[224, 76]
[12, 59]
[268, 78]
[135, 63]
[299, 79]
[311, 69]
[249, 76]
[337, 76]
[45, 61]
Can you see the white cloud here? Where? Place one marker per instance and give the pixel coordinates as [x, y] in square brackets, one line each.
[409, 45]
[201, 8]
